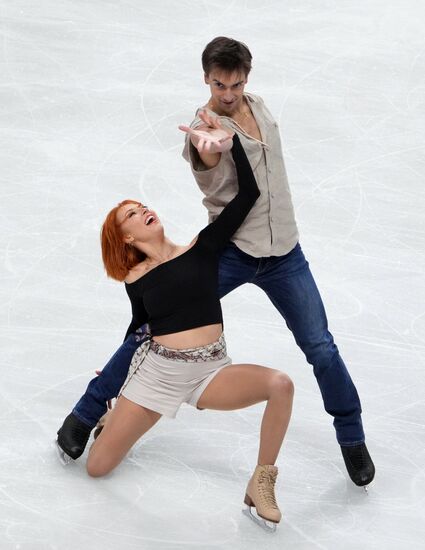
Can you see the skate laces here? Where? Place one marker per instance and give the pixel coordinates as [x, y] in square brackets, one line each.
[76, 429]
[266, 483]
[359, 457]
[80, 432]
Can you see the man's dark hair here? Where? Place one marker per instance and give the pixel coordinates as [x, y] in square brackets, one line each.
[226, 54]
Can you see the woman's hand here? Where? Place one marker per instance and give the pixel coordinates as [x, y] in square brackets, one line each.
[211, 137]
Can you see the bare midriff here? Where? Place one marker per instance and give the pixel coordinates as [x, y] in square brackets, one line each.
[193, 338]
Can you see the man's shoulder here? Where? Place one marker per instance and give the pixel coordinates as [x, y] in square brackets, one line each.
[254, 98]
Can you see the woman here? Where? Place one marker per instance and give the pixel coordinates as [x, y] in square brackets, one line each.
[174, 289]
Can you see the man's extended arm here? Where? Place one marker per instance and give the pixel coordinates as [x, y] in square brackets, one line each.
[210, 139]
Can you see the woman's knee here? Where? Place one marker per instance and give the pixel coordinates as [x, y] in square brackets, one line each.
[97, 467]
[282, 385]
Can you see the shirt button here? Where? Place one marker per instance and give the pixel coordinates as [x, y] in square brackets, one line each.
[269, 170]
[271, 219]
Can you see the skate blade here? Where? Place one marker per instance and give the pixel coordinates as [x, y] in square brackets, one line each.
[367, 487]
[267, 526]
[64, 459]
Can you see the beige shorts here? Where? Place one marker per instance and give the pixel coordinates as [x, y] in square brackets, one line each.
[166, 378]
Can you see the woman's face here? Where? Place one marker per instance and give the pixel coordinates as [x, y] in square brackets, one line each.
[138, 221]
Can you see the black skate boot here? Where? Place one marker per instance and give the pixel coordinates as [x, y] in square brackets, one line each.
[72, 438]
[359, 464]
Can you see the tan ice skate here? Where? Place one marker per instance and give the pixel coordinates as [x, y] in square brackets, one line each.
[100, 425]
[260, 493]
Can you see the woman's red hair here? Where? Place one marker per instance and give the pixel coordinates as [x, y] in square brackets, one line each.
[118, 257]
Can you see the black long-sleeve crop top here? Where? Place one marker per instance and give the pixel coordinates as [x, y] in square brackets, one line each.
[182, 293]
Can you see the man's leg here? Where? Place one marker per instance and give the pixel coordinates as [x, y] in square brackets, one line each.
[288, 282]
[75, 431]
[235, 269]
[93, 404]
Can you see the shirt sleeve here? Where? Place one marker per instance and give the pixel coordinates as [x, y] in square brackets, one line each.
[139, 314]
[218, 233]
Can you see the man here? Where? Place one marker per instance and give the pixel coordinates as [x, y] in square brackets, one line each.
[265, 251]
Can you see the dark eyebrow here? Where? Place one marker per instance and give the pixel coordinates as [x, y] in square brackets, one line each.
[235, 84]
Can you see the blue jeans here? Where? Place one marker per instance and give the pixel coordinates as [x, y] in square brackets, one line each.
[93, 404]
[289, 284]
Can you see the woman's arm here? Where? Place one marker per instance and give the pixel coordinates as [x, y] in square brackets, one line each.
[139, 314]
[218, 233]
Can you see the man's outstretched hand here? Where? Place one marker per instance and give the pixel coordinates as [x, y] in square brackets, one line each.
[211, 137]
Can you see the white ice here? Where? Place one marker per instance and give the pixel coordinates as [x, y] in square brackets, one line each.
[91, 96]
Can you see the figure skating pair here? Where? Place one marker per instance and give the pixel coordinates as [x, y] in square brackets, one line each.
[264, 251]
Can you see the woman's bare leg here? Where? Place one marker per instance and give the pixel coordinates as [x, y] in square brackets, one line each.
[126, 423]
[239, 386]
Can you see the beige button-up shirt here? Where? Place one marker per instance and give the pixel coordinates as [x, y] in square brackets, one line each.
[270, 228]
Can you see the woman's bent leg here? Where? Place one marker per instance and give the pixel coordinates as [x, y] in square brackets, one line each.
[125, 425]
[240, 386]
[74, 433]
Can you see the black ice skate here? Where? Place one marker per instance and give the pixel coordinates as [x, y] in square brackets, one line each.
[72, 438]
[359, 464]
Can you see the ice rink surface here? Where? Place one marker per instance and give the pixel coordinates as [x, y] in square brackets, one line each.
[91, 96]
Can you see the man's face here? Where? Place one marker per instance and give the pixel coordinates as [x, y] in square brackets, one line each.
[226, 90]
